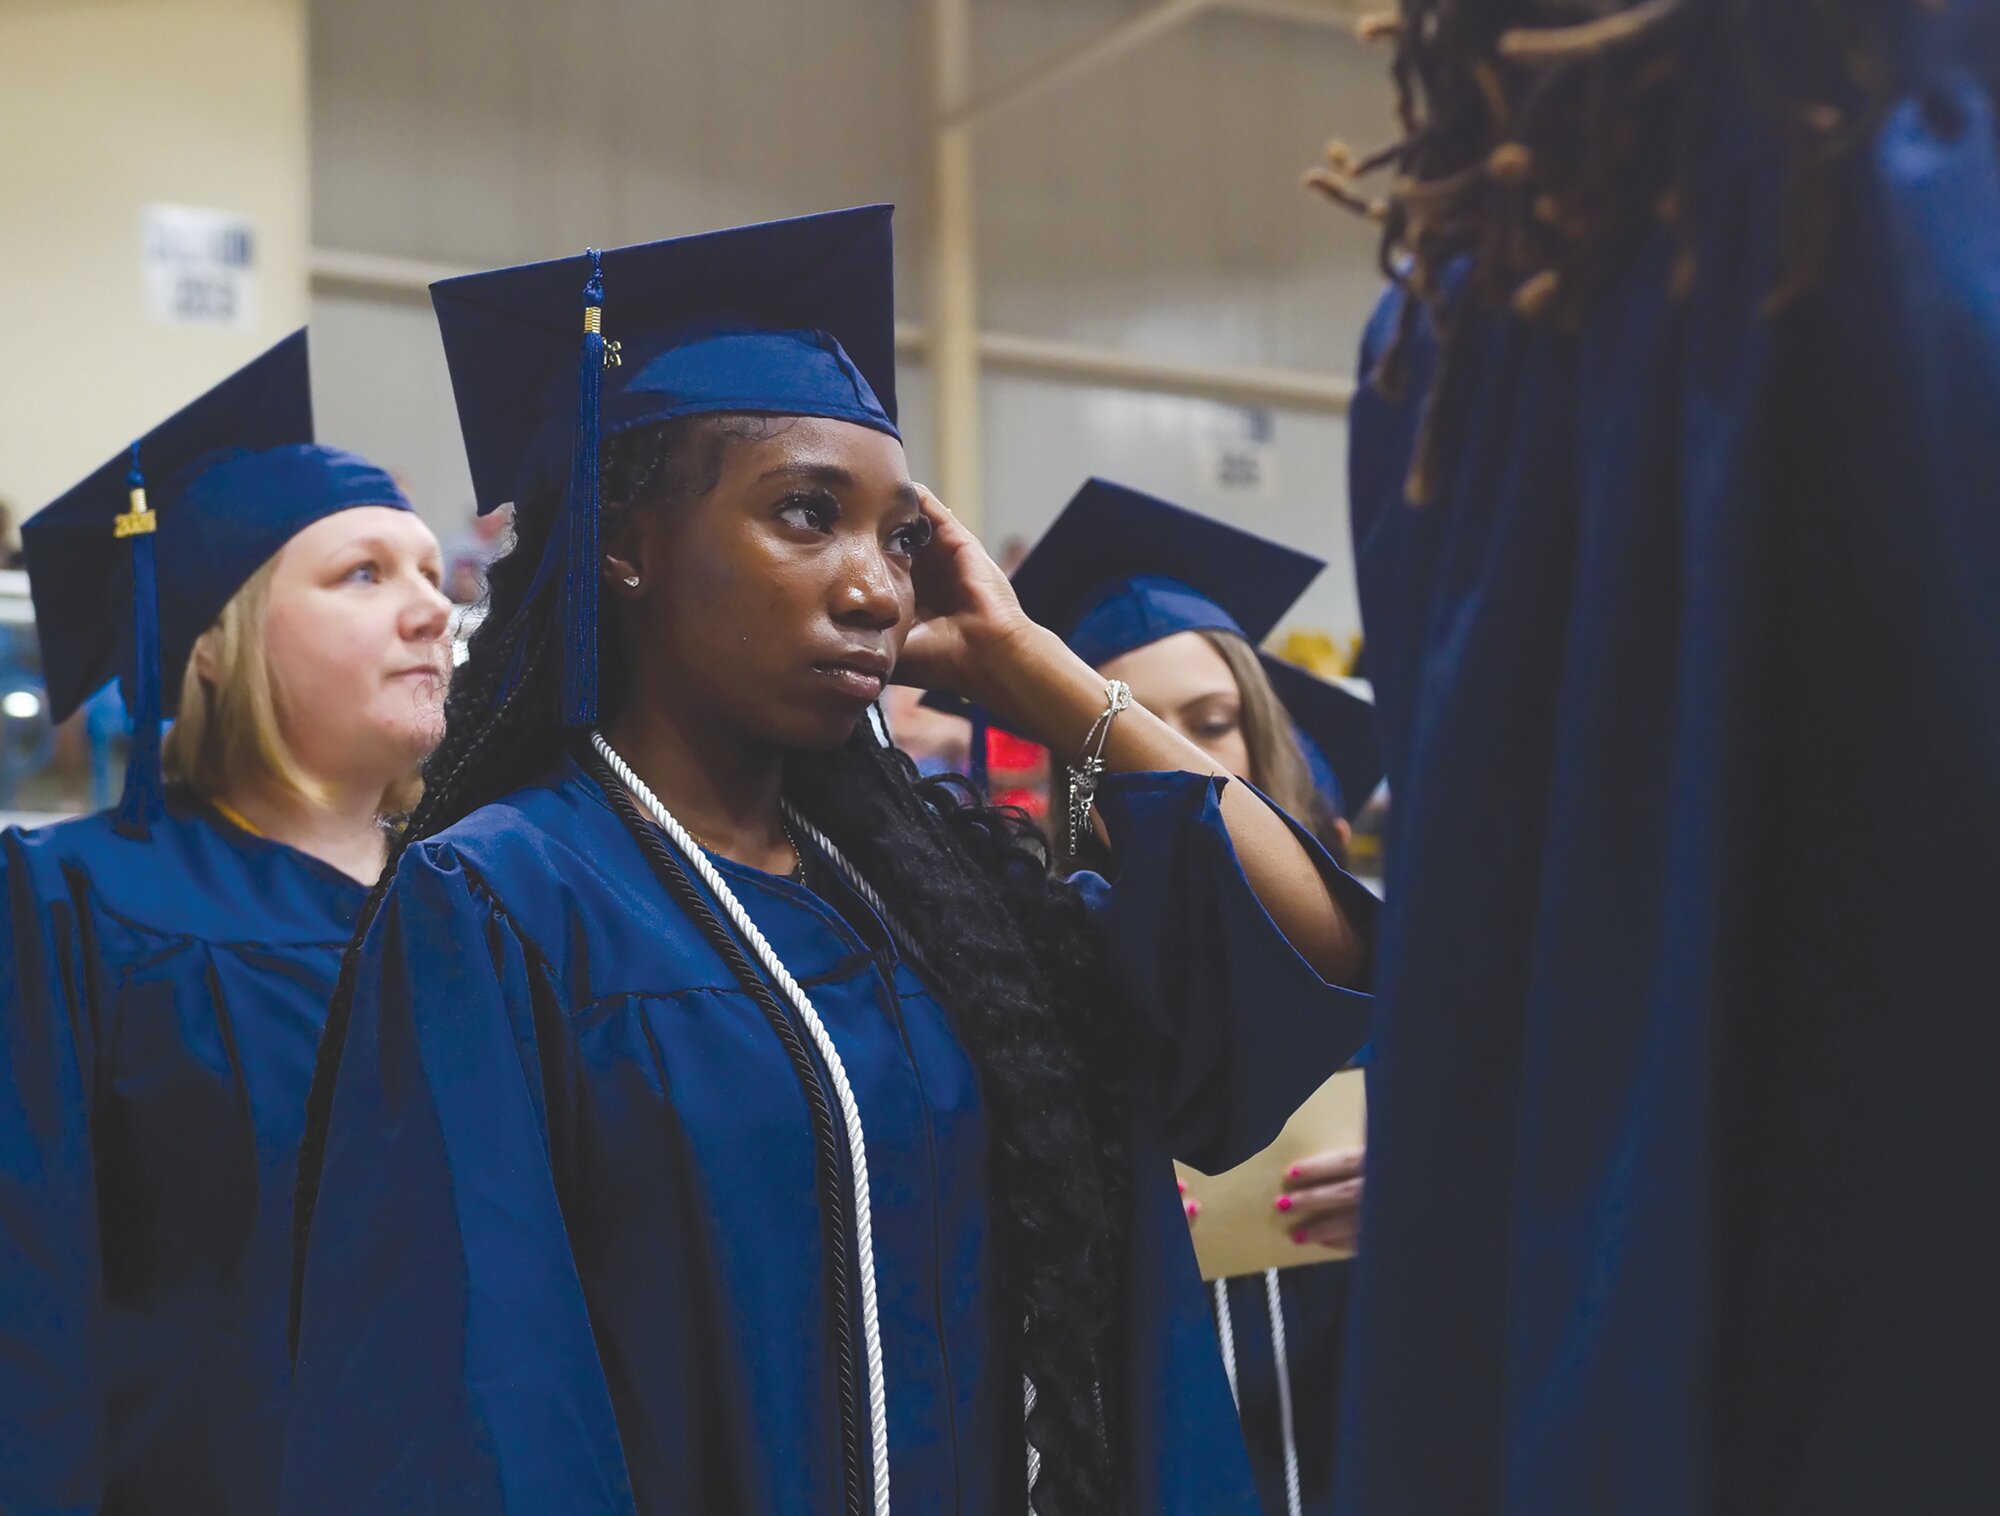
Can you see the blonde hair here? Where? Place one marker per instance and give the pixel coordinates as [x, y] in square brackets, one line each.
[226, 737]
[1278, 764]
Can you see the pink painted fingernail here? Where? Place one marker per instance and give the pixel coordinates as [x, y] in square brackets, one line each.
[1193, 1209]
[1292, 1172]
[1284, 1202]
[1299, 1235]
[1181, 1185]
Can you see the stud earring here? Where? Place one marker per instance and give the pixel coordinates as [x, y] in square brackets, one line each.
[631, 581]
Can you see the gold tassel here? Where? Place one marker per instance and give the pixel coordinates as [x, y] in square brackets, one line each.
[137, 521]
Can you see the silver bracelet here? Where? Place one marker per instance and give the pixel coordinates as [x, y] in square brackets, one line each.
[1083, 774]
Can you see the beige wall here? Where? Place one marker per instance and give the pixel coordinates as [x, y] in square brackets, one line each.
[1155, 208]
[106, 106]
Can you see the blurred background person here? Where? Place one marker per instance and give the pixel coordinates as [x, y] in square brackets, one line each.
[165, 966]
[10, 539]
[469, 555]
[1175, 604]
[938, 741]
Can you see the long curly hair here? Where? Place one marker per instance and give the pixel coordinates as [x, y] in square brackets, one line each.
[1009, 951]
[1538, 149]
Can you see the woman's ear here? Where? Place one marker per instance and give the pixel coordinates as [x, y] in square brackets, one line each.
[204, 657]
[624, 573]
[620, 566]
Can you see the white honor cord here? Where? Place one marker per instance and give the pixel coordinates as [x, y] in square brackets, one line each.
[1225, 1330]
[908, 948]
[879, 724]
[1034, 1453]
[836, 1071]
[1276, 1304]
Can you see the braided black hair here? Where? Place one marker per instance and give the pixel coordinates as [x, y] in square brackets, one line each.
[1536, 154]
[1008, 950]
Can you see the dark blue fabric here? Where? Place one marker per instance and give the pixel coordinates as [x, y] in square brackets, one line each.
[1118, 569]
[721, 368]
[1681, 1160]
[160, 1003]
[1141, 610]
[566, 1250]
[709, 371]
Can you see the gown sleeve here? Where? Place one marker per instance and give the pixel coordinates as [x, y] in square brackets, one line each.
[446, 1363]
[1235, 1029]
[51, 1285]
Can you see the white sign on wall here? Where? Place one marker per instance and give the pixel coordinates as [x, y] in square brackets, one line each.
[200, 266]
[1240, 457]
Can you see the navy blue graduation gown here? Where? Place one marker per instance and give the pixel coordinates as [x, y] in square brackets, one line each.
[1689, 678]
[160, 1003]
[566, 1254]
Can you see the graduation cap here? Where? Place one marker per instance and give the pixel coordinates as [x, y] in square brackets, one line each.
[790, 318]
[1121, 569]
[1336, 725]
[131, 566]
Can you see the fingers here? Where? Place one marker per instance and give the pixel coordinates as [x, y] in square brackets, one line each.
[1188, 1202]
[945, 527]
[1325, 1168]
[1339, 1233]
[1321, 1200]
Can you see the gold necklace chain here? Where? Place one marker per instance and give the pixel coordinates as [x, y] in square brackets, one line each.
[243, 823]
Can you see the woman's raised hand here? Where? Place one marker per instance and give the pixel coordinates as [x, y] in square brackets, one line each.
[966, 609]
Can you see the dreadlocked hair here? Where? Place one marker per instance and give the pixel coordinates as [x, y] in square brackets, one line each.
[1542, 141]
[1008, 950]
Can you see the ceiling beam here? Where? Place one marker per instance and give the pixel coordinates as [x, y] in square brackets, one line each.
[337, 271]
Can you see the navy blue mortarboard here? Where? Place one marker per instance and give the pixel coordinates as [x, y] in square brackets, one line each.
[793, 318]
[131, 566]
[1338, 728]
[1120, 569]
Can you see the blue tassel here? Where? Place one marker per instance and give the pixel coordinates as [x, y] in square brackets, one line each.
[978, 769]
[577, 607]
[141, 803]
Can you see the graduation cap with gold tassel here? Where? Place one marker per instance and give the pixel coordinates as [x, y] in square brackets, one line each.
[197, 505]
[786, 318]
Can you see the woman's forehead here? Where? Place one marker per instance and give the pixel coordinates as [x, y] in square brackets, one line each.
[383, 526]
[838, 451]
[1180, 667]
